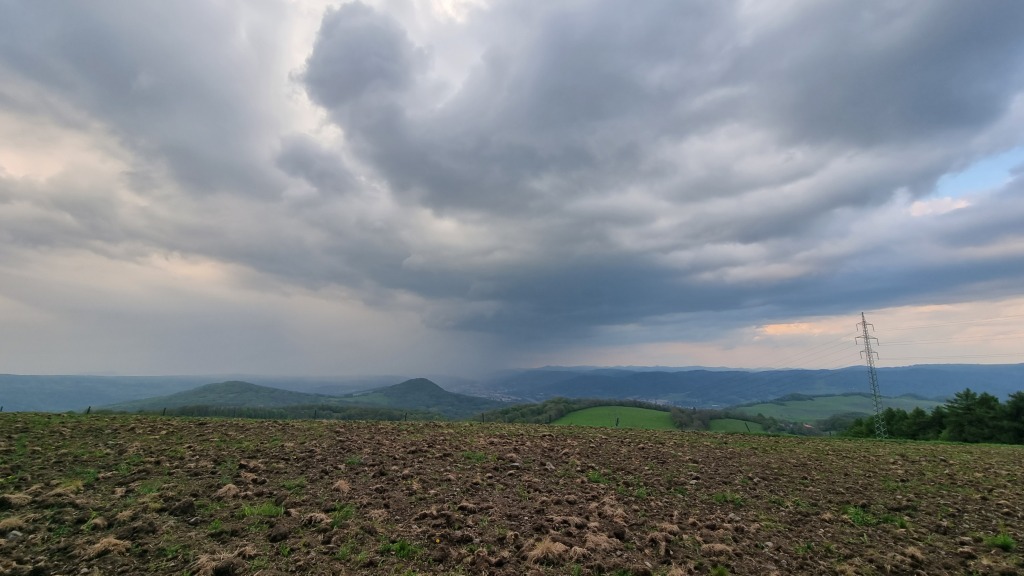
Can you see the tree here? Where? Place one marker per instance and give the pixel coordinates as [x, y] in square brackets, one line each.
[973, 417]
[919, 425]
[1013, 417]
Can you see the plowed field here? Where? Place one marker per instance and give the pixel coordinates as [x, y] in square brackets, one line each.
[144, 495]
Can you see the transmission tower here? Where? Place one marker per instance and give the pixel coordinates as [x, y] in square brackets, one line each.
[870, 355]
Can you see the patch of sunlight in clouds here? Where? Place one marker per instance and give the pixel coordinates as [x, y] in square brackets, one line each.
[36, 149]
[456, 10]
[799, 328]
[937, 206]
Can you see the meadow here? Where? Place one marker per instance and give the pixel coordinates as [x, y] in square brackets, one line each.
[618, 416]
[821, 407]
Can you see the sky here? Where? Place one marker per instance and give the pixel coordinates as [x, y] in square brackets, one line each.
[459, 186]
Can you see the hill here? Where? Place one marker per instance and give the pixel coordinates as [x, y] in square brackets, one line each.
[423, 394]
[225, 394]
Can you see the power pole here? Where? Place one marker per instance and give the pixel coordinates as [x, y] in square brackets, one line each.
[870, 355]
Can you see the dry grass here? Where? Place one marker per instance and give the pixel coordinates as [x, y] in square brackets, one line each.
[14, 500]
[342, 486]
[574, 521]
[108, 546]
[576, 553]
[601, 543]
[12, 523]
[668, 528]
[227, 491]
[223, 564]
[914, 554]
[715, 550]
[69, 489]
[547, 551]
[316, 518]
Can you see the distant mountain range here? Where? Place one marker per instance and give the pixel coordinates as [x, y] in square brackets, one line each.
[683, 387]
[719, 388]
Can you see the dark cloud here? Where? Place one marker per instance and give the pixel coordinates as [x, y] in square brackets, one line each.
[181, 84]
[325, 170]
[358, 54]
[882, 73]
[541, 172]
[848, 104]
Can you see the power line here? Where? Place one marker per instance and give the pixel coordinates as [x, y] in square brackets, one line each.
[956, 356]
[954, 340]
[979, 321]
[869, 356]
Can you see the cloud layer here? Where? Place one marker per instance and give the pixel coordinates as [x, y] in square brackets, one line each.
[522, 178]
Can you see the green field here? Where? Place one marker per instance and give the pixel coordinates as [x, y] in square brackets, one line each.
[628, 417]
[734, 425]
[821, 407]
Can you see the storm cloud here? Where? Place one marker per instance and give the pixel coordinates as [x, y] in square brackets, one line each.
[505, 177]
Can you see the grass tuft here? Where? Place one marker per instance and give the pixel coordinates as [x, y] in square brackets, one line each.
[727, 498]
[400, 549]
[1003, 541]
[265, 510]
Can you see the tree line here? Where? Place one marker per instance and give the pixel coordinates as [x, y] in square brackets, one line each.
[967, 417]
[550, 410]
[700, 419]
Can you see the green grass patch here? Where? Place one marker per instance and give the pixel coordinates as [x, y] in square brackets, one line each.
[626, 416]
[151, 486]
[294, 486]
[859, 516]
[342, 512]
[727, 498]
[345, 551]
[265, 510]
[475, 456]
[1003, 541]
[87, 476]
[400, 549]
[734, 425]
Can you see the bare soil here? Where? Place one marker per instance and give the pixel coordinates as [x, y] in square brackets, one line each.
[103, 495]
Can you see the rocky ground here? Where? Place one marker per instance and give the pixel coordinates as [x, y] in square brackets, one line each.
[131, 495]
